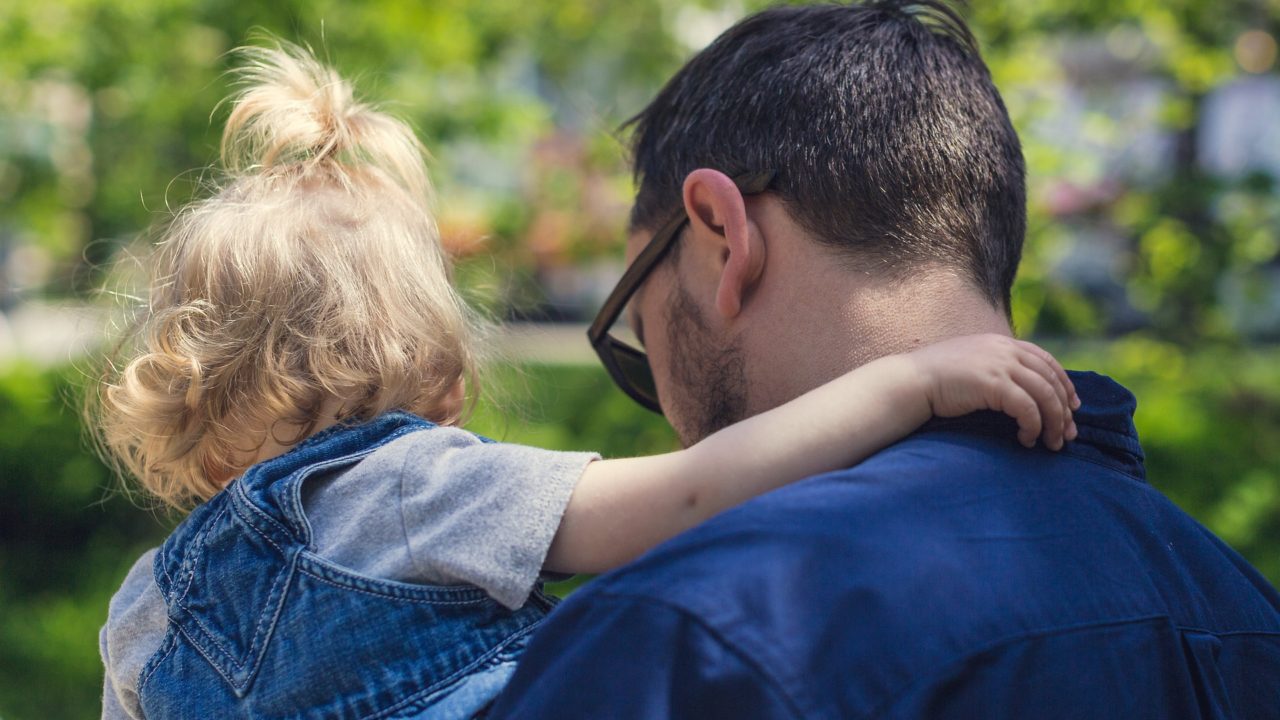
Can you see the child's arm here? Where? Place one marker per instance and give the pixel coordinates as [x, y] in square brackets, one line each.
[621, 508]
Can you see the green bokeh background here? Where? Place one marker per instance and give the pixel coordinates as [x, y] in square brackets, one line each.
[105, 119]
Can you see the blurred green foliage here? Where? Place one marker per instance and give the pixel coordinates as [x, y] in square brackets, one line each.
[65, 544]
[69, 532]
[1210, 425]
[106, 107]
[107, 117]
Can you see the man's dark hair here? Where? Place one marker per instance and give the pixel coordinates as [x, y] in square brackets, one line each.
[888, 136]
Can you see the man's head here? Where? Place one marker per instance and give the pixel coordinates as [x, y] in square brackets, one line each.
[897, 169]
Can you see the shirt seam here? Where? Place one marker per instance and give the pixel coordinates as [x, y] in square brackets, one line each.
[1228, 633]
[344, 463]
[740, 653]
[567, 468]
[1113, 467]
[404, 525]
[391, 597]
[1118, 441]
[167, 645]
[941, 669]
[445, 684]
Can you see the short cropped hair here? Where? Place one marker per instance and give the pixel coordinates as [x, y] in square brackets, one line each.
[312, 271]
[890, 141]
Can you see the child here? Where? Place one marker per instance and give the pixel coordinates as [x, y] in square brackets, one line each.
[299, 378]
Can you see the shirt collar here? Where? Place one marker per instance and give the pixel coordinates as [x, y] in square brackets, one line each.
[1105, 421]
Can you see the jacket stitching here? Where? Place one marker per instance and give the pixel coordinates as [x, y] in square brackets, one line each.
[267, 623]
[167, 646]
[420, 601]
[255, 646]
[196, 548]
[457, 675]
[346, 577]
[293, 510]
[257, 511]
[207, 635]
[204, 653]
[259, 532]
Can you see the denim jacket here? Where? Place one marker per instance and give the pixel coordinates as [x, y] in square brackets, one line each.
[261, 626]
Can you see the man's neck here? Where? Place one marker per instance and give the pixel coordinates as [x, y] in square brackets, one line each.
[827, 327]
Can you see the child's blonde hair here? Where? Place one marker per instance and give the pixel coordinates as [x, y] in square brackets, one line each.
[313, 272]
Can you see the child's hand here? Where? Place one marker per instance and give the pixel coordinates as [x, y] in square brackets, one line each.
[995, 372]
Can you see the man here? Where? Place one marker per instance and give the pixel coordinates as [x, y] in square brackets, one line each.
[819, 187]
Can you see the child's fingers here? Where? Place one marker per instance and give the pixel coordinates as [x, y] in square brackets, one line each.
[1050, 405]
[1058, 370]
[1046, 367]
[1018, 403]
[1060, 418]
[1038, 359]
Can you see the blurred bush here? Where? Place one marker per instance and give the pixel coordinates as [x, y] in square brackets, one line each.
[520, 101]
[105, 111]
[1210, 424]
[66, 542]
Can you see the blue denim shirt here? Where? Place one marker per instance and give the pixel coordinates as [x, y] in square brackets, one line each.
[261, 626]
[956, 574]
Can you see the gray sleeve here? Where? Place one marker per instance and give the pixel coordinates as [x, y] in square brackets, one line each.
[111, 707]
[440, 506]
[136, 624]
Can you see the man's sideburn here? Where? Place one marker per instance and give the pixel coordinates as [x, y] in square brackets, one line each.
[708, 375]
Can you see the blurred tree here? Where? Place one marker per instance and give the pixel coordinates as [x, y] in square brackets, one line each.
[105, 121]
[65, 543]
[107, 117]
[104, 104]
[1182, 238]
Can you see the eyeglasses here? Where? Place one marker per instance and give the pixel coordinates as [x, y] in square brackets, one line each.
[628, 366]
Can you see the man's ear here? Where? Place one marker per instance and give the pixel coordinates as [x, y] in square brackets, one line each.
[717, 212]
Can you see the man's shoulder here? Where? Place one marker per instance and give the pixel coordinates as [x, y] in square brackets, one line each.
[949, 534]
[902, 507]
[946, 553]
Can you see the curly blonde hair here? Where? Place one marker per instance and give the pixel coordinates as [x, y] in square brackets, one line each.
[313, 273]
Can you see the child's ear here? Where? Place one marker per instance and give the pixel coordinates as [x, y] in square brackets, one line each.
[449, 410]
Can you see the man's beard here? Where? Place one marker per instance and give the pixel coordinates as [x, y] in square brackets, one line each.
[709, 383]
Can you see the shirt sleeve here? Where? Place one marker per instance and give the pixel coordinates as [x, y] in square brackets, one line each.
[111, 707]
[136, 624]
[485, 513]
[600, 655]
[443, 507]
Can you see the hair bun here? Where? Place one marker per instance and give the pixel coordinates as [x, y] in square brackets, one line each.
[293, 112]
